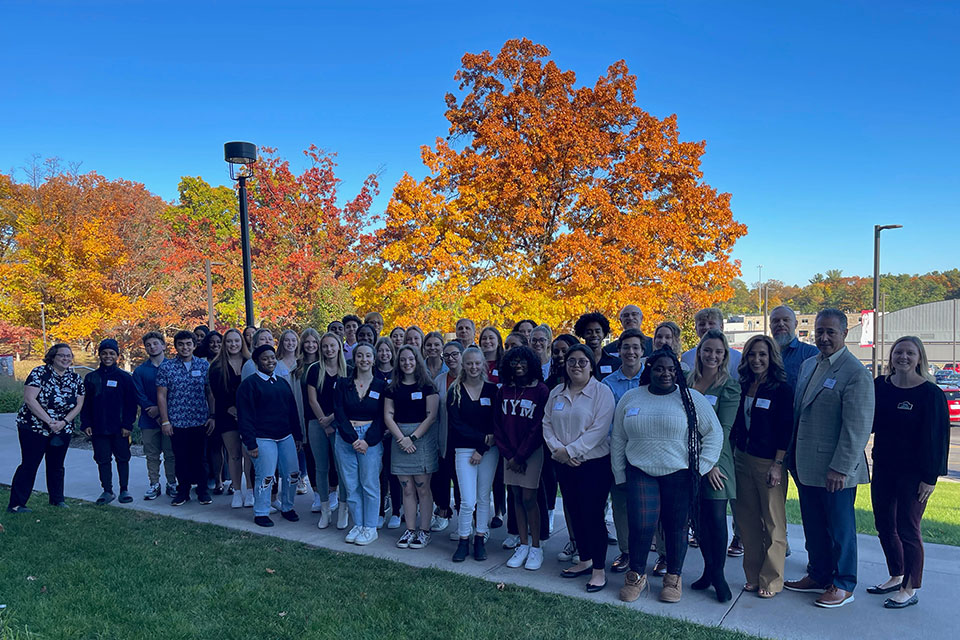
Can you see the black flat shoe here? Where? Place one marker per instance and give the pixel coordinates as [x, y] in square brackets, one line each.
[496, 522]
[567, 573]
[593, 588]
[263, 521]
[877, 590]
[290, 515]
[890, 603]
[19, 510]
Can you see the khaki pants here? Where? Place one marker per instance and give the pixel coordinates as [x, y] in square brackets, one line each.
[761, 513]
[154, 442]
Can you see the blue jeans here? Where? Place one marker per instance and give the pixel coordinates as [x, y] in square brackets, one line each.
[270, 454]
[360, 473]
[830, 528]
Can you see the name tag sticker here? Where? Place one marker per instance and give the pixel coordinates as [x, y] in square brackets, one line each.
[763, 403]
[605, 368]
[830, 383]
[633, 411]
[615, 354]
[196, 373]
[416, 395]
[525, 403]
[712, 400]
[484, 402]
[375, 395]
[495, 373]
[558, 406]
[111, 383]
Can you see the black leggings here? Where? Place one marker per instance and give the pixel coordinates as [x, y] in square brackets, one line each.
[389, 483]
[112, 447]
[712, 535]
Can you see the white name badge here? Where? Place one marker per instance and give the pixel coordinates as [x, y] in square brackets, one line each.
[633, 411]
[484, 402]
[111, 383]
[763, 403]
[416, 395]
[558, 406]
[615, 354]
[495, 373]
[712, 400]
[830, 383]
[605, 368]
[375, 395]
[525, 403]
[196, 373]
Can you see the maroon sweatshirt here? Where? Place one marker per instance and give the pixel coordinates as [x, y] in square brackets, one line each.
[518, 428]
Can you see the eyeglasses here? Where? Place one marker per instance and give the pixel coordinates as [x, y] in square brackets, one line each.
[538, 340]
[583, 363]
[452, 355]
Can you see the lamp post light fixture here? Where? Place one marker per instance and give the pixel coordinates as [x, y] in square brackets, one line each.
[243, 153]
[877, 228]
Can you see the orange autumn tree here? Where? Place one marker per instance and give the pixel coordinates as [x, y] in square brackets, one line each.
[547, 200]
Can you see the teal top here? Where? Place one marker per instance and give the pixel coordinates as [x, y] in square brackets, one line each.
[725, 399]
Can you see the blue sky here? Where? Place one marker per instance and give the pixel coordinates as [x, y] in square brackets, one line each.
[821, 118]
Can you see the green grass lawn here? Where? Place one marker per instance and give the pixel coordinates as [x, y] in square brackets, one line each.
[91, 572]
[941, 520]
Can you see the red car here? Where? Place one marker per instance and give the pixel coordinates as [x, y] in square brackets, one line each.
[953, 402]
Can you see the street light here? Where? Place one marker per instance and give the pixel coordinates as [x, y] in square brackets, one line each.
[877, 228]
[243, 153]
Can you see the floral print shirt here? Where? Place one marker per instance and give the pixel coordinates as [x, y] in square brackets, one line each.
[58, 396]
[186, 391]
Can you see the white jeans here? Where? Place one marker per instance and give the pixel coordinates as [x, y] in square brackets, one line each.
[475, 482]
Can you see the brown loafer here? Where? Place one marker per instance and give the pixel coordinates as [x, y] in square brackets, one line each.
[660, 569]
[833, 598]
[806, 584]
[621, 564]
[672, 589]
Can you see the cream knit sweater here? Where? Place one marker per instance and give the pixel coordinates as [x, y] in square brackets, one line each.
[650, 432]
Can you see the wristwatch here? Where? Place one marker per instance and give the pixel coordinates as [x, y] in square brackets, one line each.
[413, 438]
[778, 461]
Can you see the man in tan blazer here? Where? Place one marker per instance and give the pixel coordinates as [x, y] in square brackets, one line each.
[833, 417]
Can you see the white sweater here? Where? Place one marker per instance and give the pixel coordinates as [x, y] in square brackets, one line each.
[650, 432]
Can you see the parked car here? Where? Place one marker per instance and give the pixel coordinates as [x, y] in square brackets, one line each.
[953, 402]
[952, 366]
[949, 378]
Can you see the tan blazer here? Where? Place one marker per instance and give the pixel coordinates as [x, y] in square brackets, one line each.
[833, 423]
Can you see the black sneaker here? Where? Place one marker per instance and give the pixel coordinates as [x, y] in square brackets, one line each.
[496, 522]
[171, 490]
[179, 501]
[290, 515]
[420, 539]
[404, 541]
[204, 499]
[153, 492]
[263, 521]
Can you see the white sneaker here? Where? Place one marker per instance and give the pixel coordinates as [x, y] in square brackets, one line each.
[519, 556]
[438, 523]
[394, 522]
[353, 535]
[343, 516]
[550, 521]
[302, 486]
[534, 559]
[324, 516]
[511, 542]
[334, 500]
[367, 535]
[275, 506]
[317, 503]
[237, 502]
[248, 498]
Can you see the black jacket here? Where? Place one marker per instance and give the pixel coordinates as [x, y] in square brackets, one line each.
[110, 401]
[771, 426]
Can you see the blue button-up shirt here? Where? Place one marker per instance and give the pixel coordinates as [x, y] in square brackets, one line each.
[793, 356]
[186, 391]
[145, 382]
[619, 383]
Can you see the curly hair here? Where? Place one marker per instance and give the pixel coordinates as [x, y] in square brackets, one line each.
[534, 371]
[581, 325]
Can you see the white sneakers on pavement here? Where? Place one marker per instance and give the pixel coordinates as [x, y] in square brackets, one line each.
[519, 556]
[511, 542]
[534, 559]
[237, 502]
[353, 534]
[367, 535]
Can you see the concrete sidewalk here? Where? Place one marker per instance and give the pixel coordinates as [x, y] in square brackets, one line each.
[789, 615]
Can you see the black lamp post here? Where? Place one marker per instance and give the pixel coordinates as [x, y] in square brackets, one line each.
[877, 228]
[243, 153]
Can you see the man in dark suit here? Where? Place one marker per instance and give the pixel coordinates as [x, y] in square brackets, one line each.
[833, 417]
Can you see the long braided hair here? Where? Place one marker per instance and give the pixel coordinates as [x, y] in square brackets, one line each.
[694, 439]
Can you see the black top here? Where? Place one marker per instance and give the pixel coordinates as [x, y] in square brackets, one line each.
[382, 375]
[410, 402]
[307, 409]
[266, 409]
[110, 401]
[326, 391]
[911, 430]
[224, 395]
[470, 421]
[606, 365]
[771, 420]
[348, 405]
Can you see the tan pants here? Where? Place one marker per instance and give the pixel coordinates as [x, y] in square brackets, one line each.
[155, 443]
[762, 515]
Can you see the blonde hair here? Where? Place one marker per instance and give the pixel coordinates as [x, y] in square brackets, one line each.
[722, 374]
[309, 332]
[281, 348]
[341, 361]
[923, 365]
[461, 375]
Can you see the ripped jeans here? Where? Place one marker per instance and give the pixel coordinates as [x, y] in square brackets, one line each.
[270, 455]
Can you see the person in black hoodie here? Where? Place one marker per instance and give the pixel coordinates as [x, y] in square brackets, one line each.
[270, 429]
[107, 418]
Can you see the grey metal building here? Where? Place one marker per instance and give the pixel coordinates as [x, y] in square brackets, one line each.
[936, 323]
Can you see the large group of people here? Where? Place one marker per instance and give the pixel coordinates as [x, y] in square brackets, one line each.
[411, 431]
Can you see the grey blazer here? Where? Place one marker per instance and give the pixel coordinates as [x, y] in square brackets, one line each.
[832, 427]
